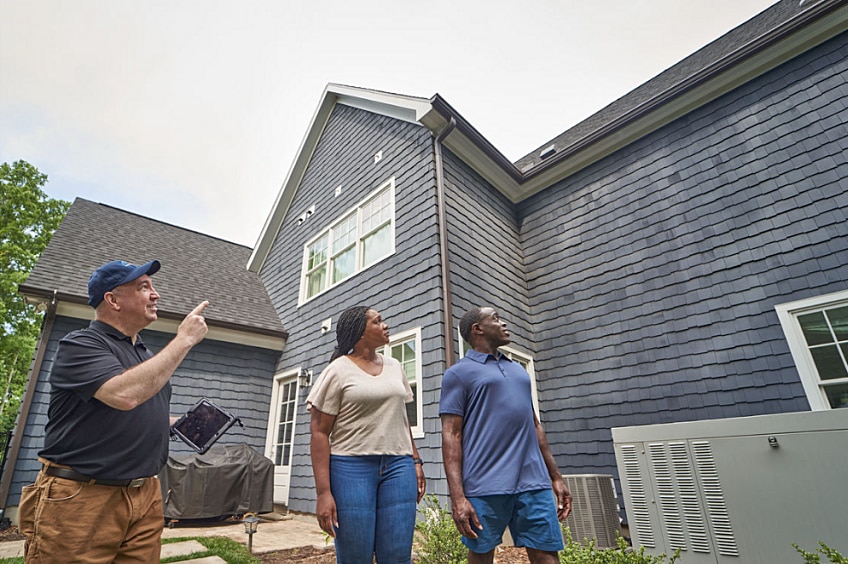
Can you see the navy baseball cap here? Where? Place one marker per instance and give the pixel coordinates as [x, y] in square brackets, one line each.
[113, 274]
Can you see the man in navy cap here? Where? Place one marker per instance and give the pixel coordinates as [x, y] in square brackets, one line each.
[97, 497]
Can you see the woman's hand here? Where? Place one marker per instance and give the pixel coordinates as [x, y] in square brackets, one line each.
[422, 481]
[325, 509]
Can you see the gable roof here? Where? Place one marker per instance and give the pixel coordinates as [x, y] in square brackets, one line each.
[776, 35]
[779, 33]
[195, 267]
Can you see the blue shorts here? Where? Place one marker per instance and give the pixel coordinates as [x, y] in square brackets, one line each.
[530, 516]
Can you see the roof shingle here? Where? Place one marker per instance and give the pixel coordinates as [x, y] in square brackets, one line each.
[195, 267]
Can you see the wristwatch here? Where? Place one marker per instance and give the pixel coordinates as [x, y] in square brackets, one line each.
[418, 461]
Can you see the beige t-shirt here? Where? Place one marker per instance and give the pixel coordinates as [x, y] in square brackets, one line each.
[370, 410]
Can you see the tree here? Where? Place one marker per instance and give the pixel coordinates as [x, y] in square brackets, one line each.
[28, 218]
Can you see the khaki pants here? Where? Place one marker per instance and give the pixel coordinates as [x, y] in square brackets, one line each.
[66, 521]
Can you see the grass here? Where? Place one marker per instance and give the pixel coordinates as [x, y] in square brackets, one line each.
[227, 549]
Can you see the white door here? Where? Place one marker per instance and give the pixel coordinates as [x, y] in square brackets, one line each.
[281, 433]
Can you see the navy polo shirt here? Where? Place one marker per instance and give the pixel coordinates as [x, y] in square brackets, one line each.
[500, 450]
[85, 433]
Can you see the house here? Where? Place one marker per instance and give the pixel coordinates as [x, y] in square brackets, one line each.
[658, 262]
[233, 366]
[661, 261]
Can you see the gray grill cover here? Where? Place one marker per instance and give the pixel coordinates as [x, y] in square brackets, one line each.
[227, 480]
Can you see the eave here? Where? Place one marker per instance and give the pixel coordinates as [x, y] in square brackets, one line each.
[76, 307]
[818, 24]
[814, 25]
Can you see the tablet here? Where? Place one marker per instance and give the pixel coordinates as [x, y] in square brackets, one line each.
[203, 424]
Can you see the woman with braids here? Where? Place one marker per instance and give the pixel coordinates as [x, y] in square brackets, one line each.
[368, 475]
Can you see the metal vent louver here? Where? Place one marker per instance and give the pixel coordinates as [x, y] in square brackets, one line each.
[638, 511]
[594, 512]
[716, 505]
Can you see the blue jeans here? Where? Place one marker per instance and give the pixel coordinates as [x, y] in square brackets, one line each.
[375, 501]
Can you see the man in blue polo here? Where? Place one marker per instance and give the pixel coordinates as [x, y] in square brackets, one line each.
[97, 498]
[499, 467]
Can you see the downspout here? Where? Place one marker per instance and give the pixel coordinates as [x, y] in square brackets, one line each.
[23, 414]
[443, 240]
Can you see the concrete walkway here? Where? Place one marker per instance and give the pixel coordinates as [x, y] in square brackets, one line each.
[275, 532]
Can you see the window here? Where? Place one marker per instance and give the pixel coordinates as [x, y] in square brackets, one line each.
[524, 360]
[816, 330]
[363, 236]
[406, 349]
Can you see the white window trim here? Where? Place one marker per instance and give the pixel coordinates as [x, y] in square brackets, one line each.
[274, 410]
[512, 352]
[788, 313]
[417, 430]
[388, 184]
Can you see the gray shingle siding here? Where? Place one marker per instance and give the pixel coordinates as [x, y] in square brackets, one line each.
[654, 273]
[234, 377]
[487, 263]
[404, 286]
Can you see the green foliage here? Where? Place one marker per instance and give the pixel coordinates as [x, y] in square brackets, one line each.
[439, 542]
[227, 549]
[577, 553]
[813, 557]
[28, 218]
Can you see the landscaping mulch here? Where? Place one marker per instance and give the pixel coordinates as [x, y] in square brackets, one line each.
[314, 555]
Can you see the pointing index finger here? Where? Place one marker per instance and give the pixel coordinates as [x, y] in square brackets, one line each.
[199, 309]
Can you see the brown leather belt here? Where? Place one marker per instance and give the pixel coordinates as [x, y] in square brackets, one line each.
[69, 474]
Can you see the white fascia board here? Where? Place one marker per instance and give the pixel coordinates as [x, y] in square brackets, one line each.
[79, 311]
[678, 106]
[406, 108]
[480, 161]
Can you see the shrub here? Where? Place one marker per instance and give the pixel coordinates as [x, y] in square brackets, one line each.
[439, 542]
[577, 553]
[813, 557]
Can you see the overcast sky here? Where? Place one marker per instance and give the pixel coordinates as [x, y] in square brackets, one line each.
[191, 111]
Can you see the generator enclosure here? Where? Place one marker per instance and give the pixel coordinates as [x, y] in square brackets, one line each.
[739, 490]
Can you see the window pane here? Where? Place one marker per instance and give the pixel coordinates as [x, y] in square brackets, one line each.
[837, 395]
[344, 233]
[316, 281]
[397, 353]
[343, 265]
[412, 407]
[317, 253]
[829, 362]
[376, 212]
[409, 350]
[839, 321]
[815, 328]
[376, 246]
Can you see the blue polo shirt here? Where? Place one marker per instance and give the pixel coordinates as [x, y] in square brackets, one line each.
[85, 433]
[500, 450]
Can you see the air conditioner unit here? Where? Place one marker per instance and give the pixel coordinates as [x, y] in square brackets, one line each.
[594, 509]
[739, 490]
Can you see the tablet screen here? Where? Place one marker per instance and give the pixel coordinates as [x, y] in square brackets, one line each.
[202, 425]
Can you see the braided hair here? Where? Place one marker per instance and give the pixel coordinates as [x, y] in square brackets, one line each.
[349, 330]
